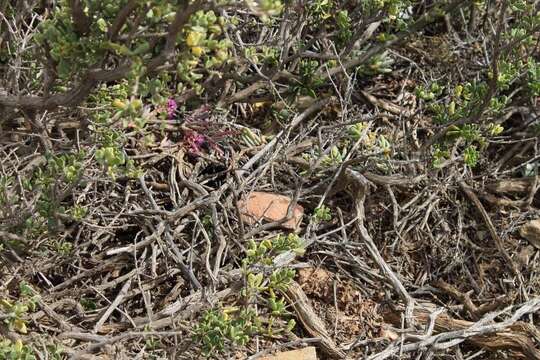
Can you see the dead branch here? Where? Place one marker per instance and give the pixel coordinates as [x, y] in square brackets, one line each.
[311, 321]
[510, 334]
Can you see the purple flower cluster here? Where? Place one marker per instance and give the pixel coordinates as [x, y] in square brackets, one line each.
[171, 108]
[194, 142]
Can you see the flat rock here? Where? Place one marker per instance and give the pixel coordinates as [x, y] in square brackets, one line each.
[307, 353]
[269, 207]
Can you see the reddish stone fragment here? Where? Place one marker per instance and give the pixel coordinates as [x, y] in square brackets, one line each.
[307, 353]
[269, 207]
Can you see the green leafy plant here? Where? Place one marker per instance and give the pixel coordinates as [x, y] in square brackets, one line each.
[439, 156]
[263, 310]
[334, 157]
[60, 173]
[55, 352]
[226, 325]
[429, 93]
[533, 77]
[15, 350]
[88, 304]
[309, 80]
[152, 342]
[17, 310]
[470, 156]
[356, 130]
[378, 64]
[322, 213]
[320, 10]
[343, 22]
[464, 100]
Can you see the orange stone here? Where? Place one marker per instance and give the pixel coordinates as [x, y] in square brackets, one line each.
[307, 353]
[269, 207]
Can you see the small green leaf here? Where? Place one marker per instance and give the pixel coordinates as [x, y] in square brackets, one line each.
[102, 25]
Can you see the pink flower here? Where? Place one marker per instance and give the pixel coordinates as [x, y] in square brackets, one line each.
[194, 142]
[171, 108]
